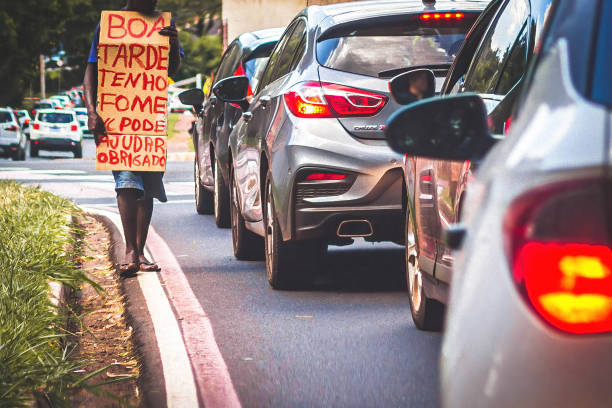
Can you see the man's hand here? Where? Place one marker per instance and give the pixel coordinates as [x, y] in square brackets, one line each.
[95, 124]
[171, 32]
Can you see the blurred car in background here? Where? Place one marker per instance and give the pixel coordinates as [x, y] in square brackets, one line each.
[310, 166]
[13, 140]
[64, 100]
[246, 55]
[492, 62]
[82, 117]
[56, 131]
[24, 119]
[41, 105]
[529, 322]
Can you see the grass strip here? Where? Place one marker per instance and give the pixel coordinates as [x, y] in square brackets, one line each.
[36, 246]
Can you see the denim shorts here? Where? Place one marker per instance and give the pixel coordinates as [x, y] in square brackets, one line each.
[150, 183]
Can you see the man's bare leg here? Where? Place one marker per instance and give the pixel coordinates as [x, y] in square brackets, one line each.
[127, 201]
[144, 213]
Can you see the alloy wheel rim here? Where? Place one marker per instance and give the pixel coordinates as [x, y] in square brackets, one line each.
[415, 279]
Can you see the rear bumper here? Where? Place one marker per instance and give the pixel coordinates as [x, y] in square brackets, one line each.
[8, 148]
[371, 192]
[54, 144]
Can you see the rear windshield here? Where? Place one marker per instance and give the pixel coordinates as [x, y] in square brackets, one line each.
[55, 117]
[253, 69]
[42, 105]
[5, 117]
[374, 50]
[602, 83]
[20, 114]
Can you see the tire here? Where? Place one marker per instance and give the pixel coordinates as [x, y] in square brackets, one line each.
[78, 151]
[203, 197]
[19, 155]
[247, 245]
[221, 200]
[289, 265]
[427, 313]
[33, 151]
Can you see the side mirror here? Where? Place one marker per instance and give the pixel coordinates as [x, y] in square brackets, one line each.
[193, 97]
[233, 89]
[412, 86]
[447, 128]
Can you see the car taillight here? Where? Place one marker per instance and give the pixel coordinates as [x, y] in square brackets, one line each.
[27, 121]
[324, 100]
[442, 16]
[558, 245]
[36, 126]
[325, 177]
[74, 128]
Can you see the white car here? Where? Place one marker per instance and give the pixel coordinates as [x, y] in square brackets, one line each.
[64, 100]
[24, 120]
[12, 139]
[56, 130]
[82, 117]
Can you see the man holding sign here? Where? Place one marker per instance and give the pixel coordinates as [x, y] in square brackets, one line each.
[132, 54]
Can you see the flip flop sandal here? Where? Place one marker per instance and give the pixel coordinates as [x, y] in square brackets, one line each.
[149, 267]
[128, 268]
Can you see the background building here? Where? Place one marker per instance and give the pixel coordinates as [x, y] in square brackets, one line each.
[240, 16]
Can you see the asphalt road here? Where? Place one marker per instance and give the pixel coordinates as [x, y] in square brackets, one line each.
[348, 342]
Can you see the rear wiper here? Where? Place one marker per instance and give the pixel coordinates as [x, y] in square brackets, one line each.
[390, 73]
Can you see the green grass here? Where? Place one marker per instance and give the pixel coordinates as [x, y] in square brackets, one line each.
[35, 350]
[172, 119]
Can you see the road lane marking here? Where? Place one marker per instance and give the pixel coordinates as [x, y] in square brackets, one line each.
[178, 376]
[211, 373]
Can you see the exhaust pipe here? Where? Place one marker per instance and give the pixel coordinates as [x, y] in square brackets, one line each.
[355, 228]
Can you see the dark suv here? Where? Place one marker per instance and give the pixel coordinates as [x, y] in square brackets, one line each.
[246, 55]
[492, 63]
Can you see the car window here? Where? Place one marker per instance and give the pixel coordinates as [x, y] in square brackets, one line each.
[274, 57]
[54, 117]
[230, 60]
[602, 83]
[484, 73]
[253, 69]
[515, 65]
[42, 105]
[288, 54]
[397, 46]
[5, 117]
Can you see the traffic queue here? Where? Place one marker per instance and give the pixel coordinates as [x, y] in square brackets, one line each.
[474, 133]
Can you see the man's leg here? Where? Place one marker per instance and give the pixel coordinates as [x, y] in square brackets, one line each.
[127, 201]
[145, 211]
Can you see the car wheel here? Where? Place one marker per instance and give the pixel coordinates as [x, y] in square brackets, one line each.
[22, 156]
[17, 155]
[427, 314]
[78, 151]
[203, 197]
[221, 200]
[33, 151]
[289, 265]
[248, 246]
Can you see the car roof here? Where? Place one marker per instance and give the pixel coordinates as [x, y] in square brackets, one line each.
[335, 14]
[70, 112]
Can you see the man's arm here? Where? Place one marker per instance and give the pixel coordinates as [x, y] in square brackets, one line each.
[174, 59]
[90, 85]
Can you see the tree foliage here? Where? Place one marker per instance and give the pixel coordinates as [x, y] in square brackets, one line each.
[32, 27]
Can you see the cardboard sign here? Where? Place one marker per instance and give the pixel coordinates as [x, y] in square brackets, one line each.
[133, 63]
[132, 152]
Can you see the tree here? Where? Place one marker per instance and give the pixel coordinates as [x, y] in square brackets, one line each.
[29, 28]
[202, 54]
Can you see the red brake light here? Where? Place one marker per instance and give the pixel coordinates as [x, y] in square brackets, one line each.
[325, 100]
[74, 128]
[325, 176]
[442, 16]
[561, 258]
[36, 126]
[12, 128]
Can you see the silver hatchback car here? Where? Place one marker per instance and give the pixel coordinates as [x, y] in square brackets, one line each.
[309, 163]
[529, 322]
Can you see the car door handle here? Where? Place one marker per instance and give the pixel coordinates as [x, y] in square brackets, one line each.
[246, 116]
[265, 100]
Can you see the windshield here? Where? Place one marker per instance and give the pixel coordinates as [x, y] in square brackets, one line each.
[42, 105]
[55, 117]
[5, 117]
[376, 50]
